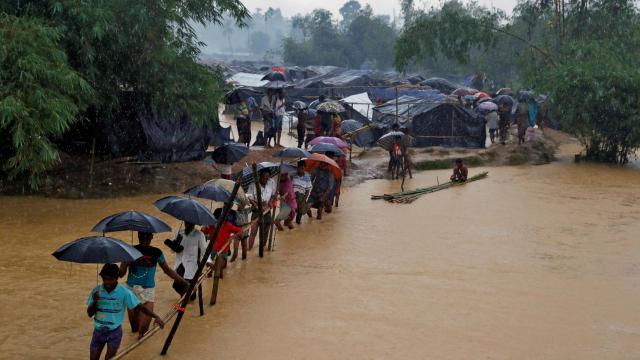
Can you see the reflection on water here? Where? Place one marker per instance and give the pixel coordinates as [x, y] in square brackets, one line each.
[531, 263]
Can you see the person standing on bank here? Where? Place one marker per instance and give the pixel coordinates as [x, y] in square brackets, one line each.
[279, 111]
[267, 109]
[141, 280]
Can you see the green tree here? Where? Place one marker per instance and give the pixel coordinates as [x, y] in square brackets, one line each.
[40, 96]
[349, 11]
[584, 53]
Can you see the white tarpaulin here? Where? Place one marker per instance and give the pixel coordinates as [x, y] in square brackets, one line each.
[247, 79]
[360, 103]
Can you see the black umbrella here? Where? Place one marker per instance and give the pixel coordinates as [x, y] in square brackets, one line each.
[97, 250]
[292, 152]
[504, 100]
[325, 148]
[213, 192]
[133, 221]
[229, 153]
[278, 84]
[274, 76]
[186, 210]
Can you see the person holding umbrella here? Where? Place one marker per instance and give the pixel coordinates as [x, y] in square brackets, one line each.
[141, 280]
[279, 111]
[323, 183]
[267, 192]
[106, 304]
[189, 246]
[302, 187]
[243, 123]
[267, 108]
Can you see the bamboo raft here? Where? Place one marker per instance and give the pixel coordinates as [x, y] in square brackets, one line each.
[407, 197]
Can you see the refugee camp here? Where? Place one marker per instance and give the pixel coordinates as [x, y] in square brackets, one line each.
[347, 179]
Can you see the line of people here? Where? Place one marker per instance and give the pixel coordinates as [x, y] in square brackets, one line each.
[108, 301]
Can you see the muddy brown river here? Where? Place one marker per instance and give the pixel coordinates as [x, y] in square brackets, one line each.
[530, 263]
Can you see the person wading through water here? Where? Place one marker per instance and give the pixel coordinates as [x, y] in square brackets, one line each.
[141, 280]
[106, 304]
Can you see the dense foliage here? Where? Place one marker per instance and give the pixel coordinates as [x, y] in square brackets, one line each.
[360, 39]
[584, 53]
[125, 55]
[40, 95]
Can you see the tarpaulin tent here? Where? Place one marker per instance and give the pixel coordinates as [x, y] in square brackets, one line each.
[359, 107]
[443, 85]
[247, 79]
[390, 94]
[173, 140]
[433, 123]
[447, 124]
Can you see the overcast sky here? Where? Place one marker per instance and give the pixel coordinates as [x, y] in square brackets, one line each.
[292, 7]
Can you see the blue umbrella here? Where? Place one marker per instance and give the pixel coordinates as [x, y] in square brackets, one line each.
[185, 209]
[131, 220]
[229, 153]
[213, 192]
[292, 152]
[350, 125]
[289, 169]
[97, 250]
[325, 148]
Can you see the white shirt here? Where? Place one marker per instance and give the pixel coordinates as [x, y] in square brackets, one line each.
[189, 256]
[280, 109]
[266, 192]
[492, 120]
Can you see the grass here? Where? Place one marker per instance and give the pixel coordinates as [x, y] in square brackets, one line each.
[474, 161]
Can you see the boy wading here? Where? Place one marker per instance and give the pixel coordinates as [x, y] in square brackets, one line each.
[106, 305]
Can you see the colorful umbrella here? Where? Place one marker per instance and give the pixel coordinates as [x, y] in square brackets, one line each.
[274, 76]
[388, 139]
[325, 148]
[329, 140]
[330, 107]
[313, 161]
[488, 106]
[464, 91]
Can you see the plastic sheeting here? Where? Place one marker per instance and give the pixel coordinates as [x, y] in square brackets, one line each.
[174, 140]
[247, 79]
[389, 94]
[432, 123]
[449, 125]
[359, 107]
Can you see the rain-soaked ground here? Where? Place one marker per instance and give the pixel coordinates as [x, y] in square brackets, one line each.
[531, 263]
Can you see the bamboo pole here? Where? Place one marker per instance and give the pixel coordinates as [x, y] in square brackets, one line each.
[201, 265]
[261, 235]
[406, 197]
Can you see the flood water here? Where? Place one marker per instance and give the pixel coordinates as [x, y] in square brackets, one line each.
[530, 263]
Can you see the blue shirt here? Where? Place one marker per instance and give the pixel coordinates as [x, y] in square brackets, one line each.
[142, 272]
[111, 306]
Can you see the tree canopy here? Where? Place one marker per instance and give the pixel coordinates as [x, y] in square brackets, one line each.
[360, 37]
[584, 53]
[141, 51]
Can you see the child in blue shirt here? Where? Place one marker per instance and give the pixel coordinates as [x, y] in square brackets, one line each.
[106, 305]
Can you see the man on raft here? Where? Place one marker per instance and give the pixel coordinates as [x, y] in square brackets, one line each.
[460, 172]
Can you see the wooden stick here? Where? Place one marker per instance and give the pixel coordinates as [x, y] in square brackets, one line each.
[201, 265]
[261, 234]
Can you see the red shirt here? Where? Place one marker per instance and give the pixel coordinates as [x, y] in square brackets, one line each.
[225, 233]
